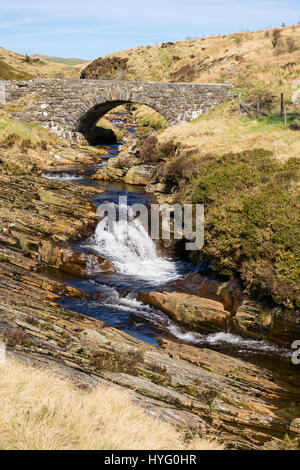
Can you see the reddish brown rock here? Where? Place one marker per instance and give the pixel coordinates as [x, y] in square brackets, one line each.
[190, 310]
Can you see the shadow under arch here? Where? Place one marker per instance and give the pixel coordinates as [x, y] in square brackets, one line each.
[91, 111]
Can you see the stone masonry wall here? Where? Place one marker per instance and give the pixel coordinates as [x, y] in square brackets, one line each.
[71, 107]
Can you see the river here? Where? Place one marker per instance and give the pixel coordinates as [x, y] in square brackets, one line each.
[140, 266]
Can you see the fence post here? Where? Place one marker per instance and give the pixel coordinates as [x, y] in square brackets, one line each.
[240, 105]
[282, 104]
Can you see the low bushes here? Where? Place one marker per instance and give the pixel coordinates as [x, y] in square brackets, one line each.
[252, 220]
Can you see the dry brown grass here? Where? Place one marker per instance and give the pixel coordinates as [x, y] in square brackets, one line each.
[220, 131]
[29, 140]
[38, 67]
[248, 60]
[40, 410]
[106, 123]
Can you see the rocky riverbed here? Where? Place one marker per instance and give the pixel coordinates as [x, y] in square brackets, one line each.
[238, 395]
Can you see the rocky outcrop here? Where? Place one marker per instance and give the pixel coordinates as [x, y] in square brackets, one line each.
[140, 175]
[205, 391]
[117, 167]
[248, 318]
[276, 324]
[209, 393]
[190, 310]
[228, 292]
[108, 68]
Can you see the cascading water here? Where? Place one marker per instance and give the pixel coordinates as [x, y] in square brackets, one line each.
[129, 247]
[131, 250]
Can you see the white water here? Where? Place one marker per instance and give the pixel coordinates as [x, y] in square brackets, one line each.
[62, 176]
[132, 251]
[112, 299]
[244, 344]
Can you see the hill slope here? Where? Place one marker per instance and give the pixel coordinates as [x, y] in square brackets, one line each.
[71, 61]
[14, 66]
[248, 60]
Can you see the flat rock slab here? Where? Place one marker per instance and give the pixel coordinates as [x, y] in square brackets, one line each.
[190, 310]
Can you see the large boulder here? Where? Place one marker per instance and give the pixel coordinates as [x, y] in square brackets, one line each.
[190, 310]
[117, 167]
[141, 174]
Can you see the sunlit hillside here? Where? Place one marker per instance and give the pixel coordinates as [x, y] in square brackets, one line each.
[14, 66]
[258, 59]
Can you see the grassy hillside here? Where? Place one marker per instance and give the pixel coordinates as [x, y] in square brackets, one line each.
[253, 60]
[40, 411]
[15, 66]
[61, 60]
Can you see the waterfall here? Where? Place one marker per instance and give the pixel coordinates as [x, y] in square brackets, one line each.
[131, 250]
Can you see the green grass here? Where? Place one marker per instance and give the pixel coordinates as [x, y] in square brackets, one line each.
[23, 129]
[24, 135]
[270, 123]
[62, 60]
[151, 121]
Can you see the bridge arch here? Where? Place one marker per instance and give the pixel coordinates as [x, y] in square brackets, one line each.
[94, 109]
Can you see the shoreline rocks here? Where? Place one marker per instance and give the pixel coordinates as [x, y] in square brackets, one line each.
[139, 175]
[197, 313]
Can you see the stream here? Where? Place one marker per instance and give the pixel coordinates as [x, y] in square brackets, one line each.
[139, 266]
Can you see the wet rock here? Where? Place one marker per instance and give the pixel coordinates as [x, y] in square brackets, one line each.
[190, 310]
[116, 167]
[249, 320]
[109, 173]
[249, 317]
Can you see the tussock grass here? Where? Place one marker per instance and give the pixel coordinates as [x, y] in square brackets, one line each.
[40, 410]
[24, 130]
[220, 131]
[23, 144]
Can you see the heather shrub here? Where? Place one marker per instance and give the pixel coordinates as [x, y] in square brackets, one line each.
[148, 151]
[252, 219]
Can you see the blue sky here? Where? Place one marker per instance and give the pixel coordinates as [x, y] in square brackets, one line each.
[94, 28]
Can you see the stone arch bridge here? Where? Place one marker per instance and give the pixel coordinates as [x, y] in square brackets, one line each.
[72, 107]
